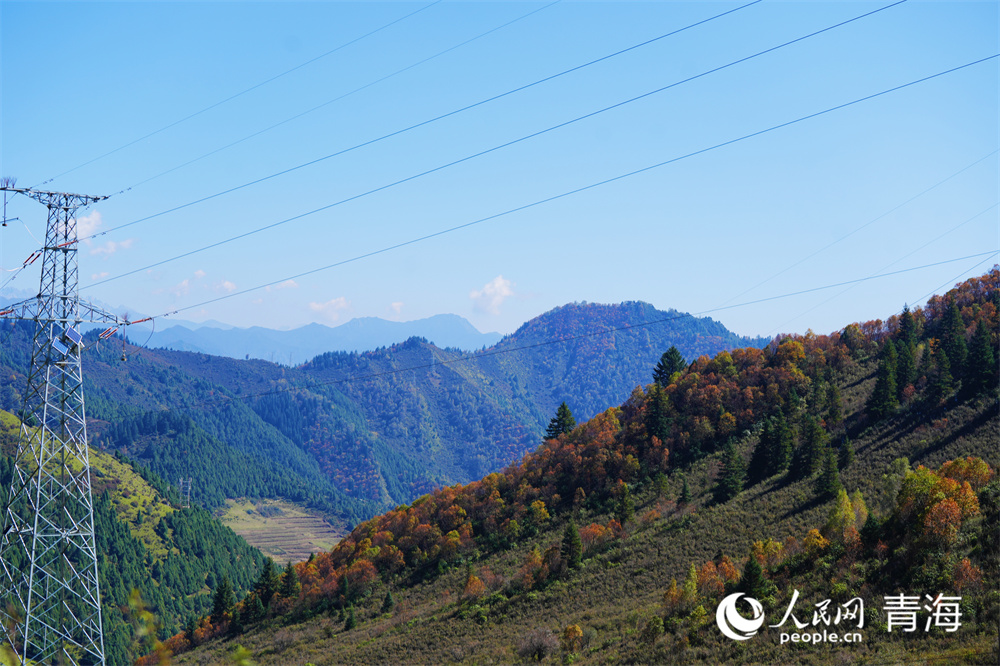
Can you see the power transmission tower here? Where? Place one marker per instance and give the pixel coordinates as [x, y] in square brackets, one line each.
[50, 601]
[185, 492]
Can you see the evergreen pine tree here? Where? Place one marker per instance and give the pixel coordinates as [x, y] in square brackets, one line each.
[982, 363]
[953, 338]
[834, 406]
[828, 482]
[670, 362]
[941, 381]
[811, 450]
[734, 472]
[846, 454]
[388, 603]
[658, 413]
[572, 546]
[351, 621]
[290, 585]
[267, 583]
[562, 422]
[906, 367]
[908, 327]
[223, 600]
[883, 399]
[754, 583]
[685, 497]
[626, 505]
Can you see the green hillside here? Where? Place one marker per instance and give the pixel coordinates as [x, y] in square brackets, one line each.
[727, 478]
[411, 418]
[172, 558]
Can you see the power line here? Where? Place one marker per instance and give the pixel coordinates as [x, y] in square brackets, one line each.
[863, 226]
[420, 124]
[240, 94]
[889, 265]
[337, 99]
[603, 331]
[475, 155]
[567, 193]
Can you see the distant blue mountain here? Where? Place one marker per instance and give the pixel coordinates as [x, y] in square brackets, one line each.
[301, 344]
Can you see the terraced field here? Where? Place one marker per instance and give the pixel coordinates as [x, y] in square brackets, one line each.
[285, 531]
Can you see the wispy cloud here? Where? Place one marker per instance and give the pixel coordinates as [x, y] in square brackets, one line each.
[226, 286]
[287, 284]
[87, 225]
[200, 274]
[332, 308]
[492, 295]
[99, 276]
[396, 307]
[111, 247]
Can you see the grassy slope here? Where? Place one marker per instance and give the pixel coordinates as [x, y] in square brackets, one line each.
[614, 593]
[280, 529]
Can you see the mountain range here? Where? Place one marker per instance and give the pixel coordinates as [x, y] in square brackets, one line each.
[301, 344]
[353, 434]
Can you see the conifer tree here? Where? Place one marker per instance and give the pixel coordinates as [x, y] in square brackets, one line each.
[670, 362]
[953, 338]
[572, 546]
[828, 482]
[846, 454]
[907, 327]
[626, 505]
[685, 497]
[834, 406]
[734, 473]
[754, 583]
[982, 363]
[223, 600]
[658, 413]
[351, 621]
[811, 451]
[562, 422]
[290, 582]
[906, 368]
[941, 381]
[883, 399]
[388, 603]
[267, 583]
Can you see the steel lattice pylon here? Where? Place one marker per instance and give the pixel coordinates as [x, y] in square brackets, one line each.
[50, 602]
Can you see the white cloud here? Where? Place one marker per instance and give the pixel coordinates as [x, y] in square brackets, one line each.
[332, 308]
[287, 284]
[200, 274]
[99, 276]
[111, 247]
[226, 286]
[182, 289]
[397, 306]
[492, 295]
[88, 225]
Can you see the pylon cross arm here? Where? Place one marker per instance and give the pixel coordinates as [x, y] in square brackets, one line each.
[32, 308]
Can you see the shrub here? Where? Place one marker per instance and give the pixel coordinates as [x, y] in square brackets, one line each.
[537, 645]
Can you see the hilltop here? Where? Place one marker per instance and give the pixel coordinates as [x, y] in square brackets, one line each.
[732, 475]
[354, 434]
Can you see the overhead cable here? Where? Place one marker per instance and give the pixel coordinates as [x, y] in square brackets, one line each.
[336, 99]
[420, 124]
[579, 189]
[241, 93]
[469, 157]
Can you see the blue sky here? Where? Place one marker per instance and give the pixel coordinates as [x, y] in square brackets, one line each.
[852, 193]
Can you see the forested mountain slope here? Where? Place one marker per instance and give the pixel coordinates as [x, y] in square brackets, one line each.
[153, 554]
[858, 464]
[355, 434]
